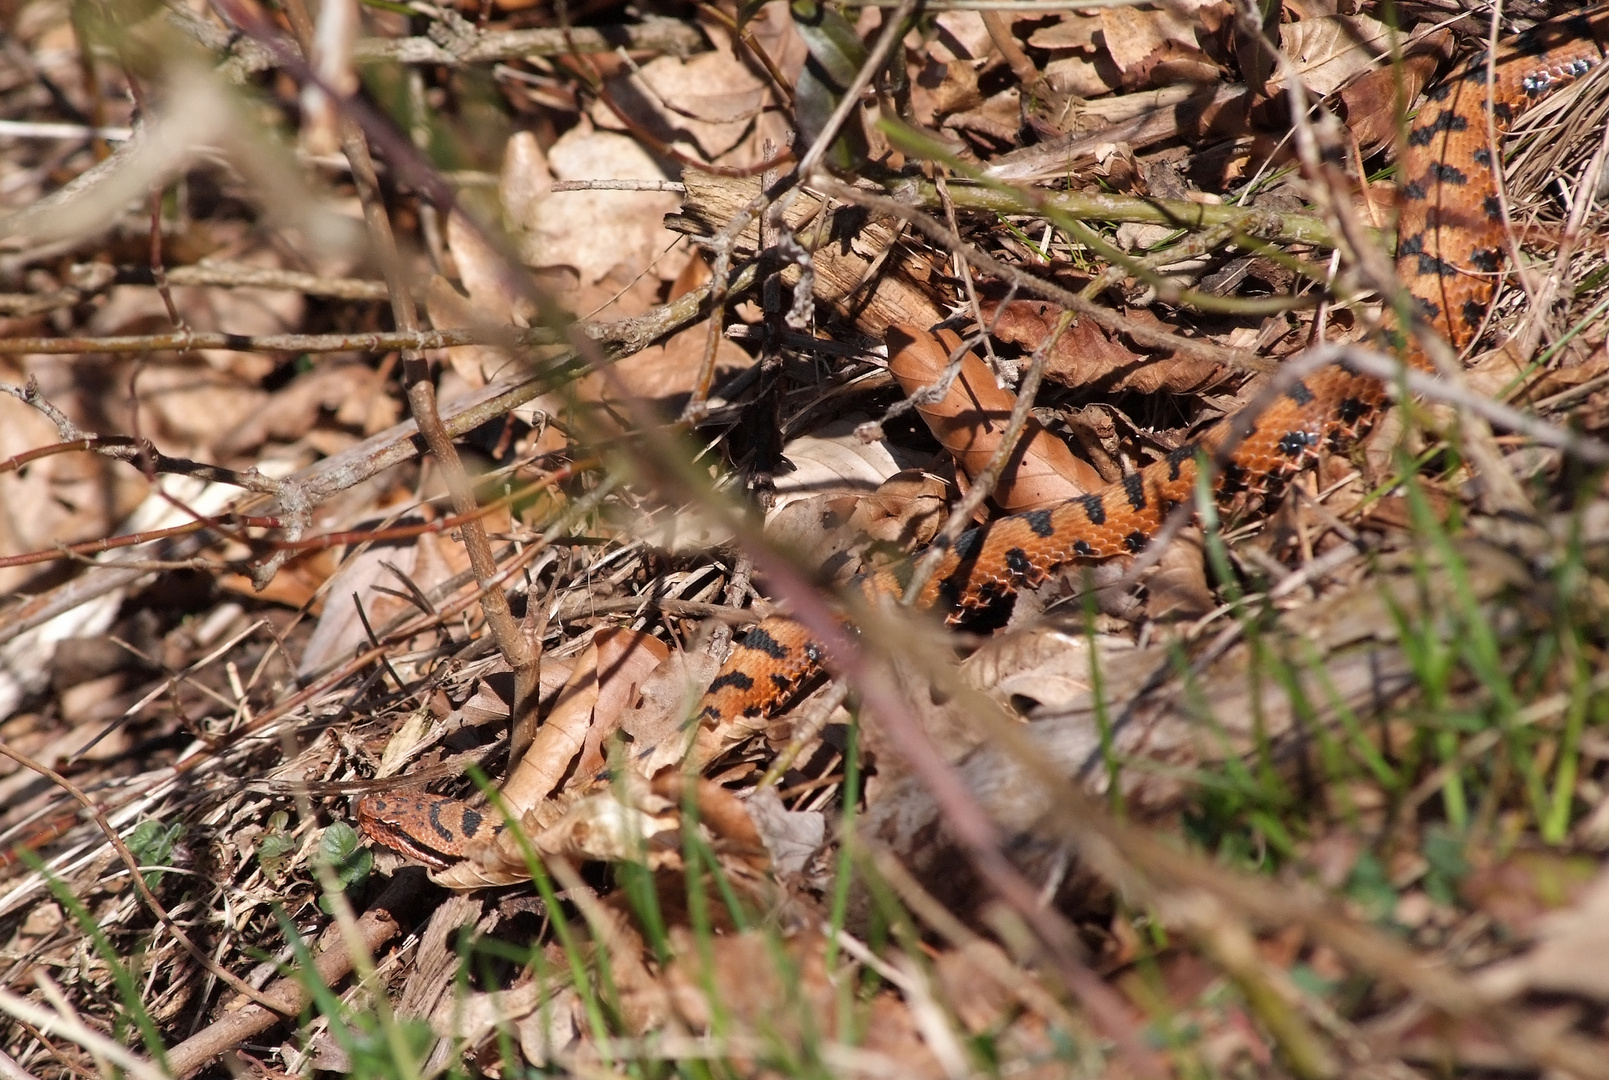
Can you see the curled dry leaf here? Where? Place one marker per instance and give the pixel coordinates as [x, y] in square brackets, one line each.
[669, 696]
[1374, 99]
[602, 685]
[1130, 35]
[1047, 667]
[971, 416]
[1177, 588]
[609, 828]
[545, 1033]
[1086, 357]
[790, 836]
[630, 819]
[472, 1017]
[705, 105]
[817, 532]
[616, 823]
[1132, 49]
[827, 477]
[1094, 431]
[833, 462]
[906, 511]
[732, 833]
[1327, 51]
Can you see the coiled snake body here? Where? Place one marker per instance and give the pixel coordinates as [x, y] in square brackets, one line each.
[1450, 248]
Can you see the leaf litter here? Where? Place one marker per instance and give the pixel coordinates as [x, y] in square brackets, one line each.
[1364, 729]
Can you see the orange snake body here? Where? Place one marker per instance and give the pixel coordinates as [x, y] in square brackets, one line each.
[1450, 249]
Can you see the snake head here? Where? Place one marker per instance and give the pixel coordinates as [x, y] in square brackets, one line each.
[426, 828]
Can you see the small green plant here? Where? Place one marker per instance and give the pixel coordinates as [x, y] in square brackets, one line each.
[1444, 853]
[151, 844]
[1369, 886]
[276, 845]
[342, 850]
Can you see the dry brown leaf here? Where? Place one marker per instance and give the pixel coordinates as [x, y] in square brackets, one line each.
[1046, 667]
[296, 585]
[191, 403]
[1149, 46]
[69, 497]
[1083, 75]
[663, 373]
[1174, 64]
[732, 834]
[525, 180]
[621, 821]
[492, 302]
[368, 579]
[190, 408]
[998, 118]
[1087, 358]
[792, 837]
[598, 232]
[832, 462]
[962, 36]
[1130, 35]
[1569, 954]
[741, 973]
[1177, 588]
[603, 828]
[761, 1003]
[703, 105]
[486, 276]
[348, 390]
[547, 1033]
[602, 686]
[969, 419]
[906, 510]
[943, 89]
[816, 532]
[1074, 30]
[448, 309]
[660, 733]
[1328, 51]
[1372, 98]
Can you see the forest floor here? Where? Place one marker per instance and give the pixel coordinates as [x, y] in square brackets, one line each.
[407, 410]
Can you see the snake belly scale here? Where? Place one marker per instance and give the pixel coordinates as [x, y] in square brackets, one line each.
[1450, 249]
